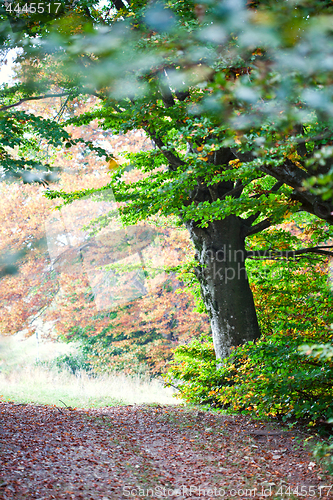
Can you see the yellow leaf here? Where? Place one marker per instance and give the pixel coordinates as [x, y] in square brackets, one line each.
[112, 164]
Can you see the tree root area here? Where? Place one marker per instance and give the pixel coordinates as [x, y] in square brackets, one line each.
[150, 452]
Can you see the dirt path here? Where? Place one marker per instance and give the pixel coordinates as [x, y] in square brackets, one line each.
[149, 452]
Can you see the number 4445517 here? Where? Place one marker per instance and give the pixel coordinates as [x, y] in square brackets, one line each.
[32, 8]
[309, 491]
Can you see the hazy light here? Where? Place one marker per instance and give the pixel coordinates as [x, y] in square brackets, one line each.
[7, 70]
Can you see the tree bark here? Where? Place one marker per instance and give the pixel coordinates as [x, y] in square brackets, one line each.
[220, 251]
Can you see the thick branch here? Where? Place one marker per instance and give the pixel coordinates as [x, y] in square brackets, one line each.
[182, 95]
[166, 95]
[232, 192]
[174, 161]
[288, 173]
[255, 216]
[119, 4]
[264, 224]
[314, 138]
[301, 148]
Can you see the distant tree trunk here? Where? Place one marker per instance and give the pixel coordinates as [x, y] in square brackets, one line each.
[220, 251]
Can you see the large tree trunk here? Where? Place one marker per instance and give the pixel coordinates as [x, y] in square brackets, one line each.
[220, 251]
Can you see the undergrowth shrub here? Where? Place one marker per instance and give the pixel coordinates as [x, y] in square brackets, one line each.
[323, 452]
[267, 378]
[71, 362]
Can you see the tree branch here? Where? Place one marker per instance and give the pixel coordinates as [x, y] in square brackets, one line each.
[21, 101]
[174, 161]
[182, 95]
[235, 190]
[255, 216]
[264, 224]
[287, 173]
[119, 4]
[166, 94]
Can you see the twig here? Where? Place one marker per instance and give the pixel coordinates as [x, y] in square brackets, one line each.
[171, 385]
[33, 98]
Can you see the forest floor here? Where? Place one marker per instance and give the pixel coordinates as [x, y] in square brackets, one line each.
[151, 452]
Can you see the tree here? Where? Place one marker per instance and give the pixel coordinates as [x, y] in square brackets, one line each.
[48, 284]
[239, 111]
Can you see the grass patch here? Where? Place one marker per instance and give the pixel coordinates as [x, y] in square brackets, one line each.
[36, 384]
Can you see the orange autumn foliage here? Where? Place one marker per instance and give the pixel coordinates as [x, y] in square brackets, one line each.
[144, 329]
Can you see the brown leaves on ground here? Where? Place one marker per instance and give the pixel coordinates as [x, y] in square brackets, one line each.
[149, 452]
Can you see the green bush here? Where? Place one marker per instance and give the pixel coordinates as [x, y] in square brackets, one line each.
[70, 362]
[323, 452]
[268, 379]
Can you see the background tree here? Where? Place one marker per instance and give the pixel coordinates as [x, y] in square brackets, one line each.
[139, 335]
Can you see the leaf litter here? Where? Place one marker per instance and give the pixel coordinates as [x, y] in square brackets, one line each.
[151, 451]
